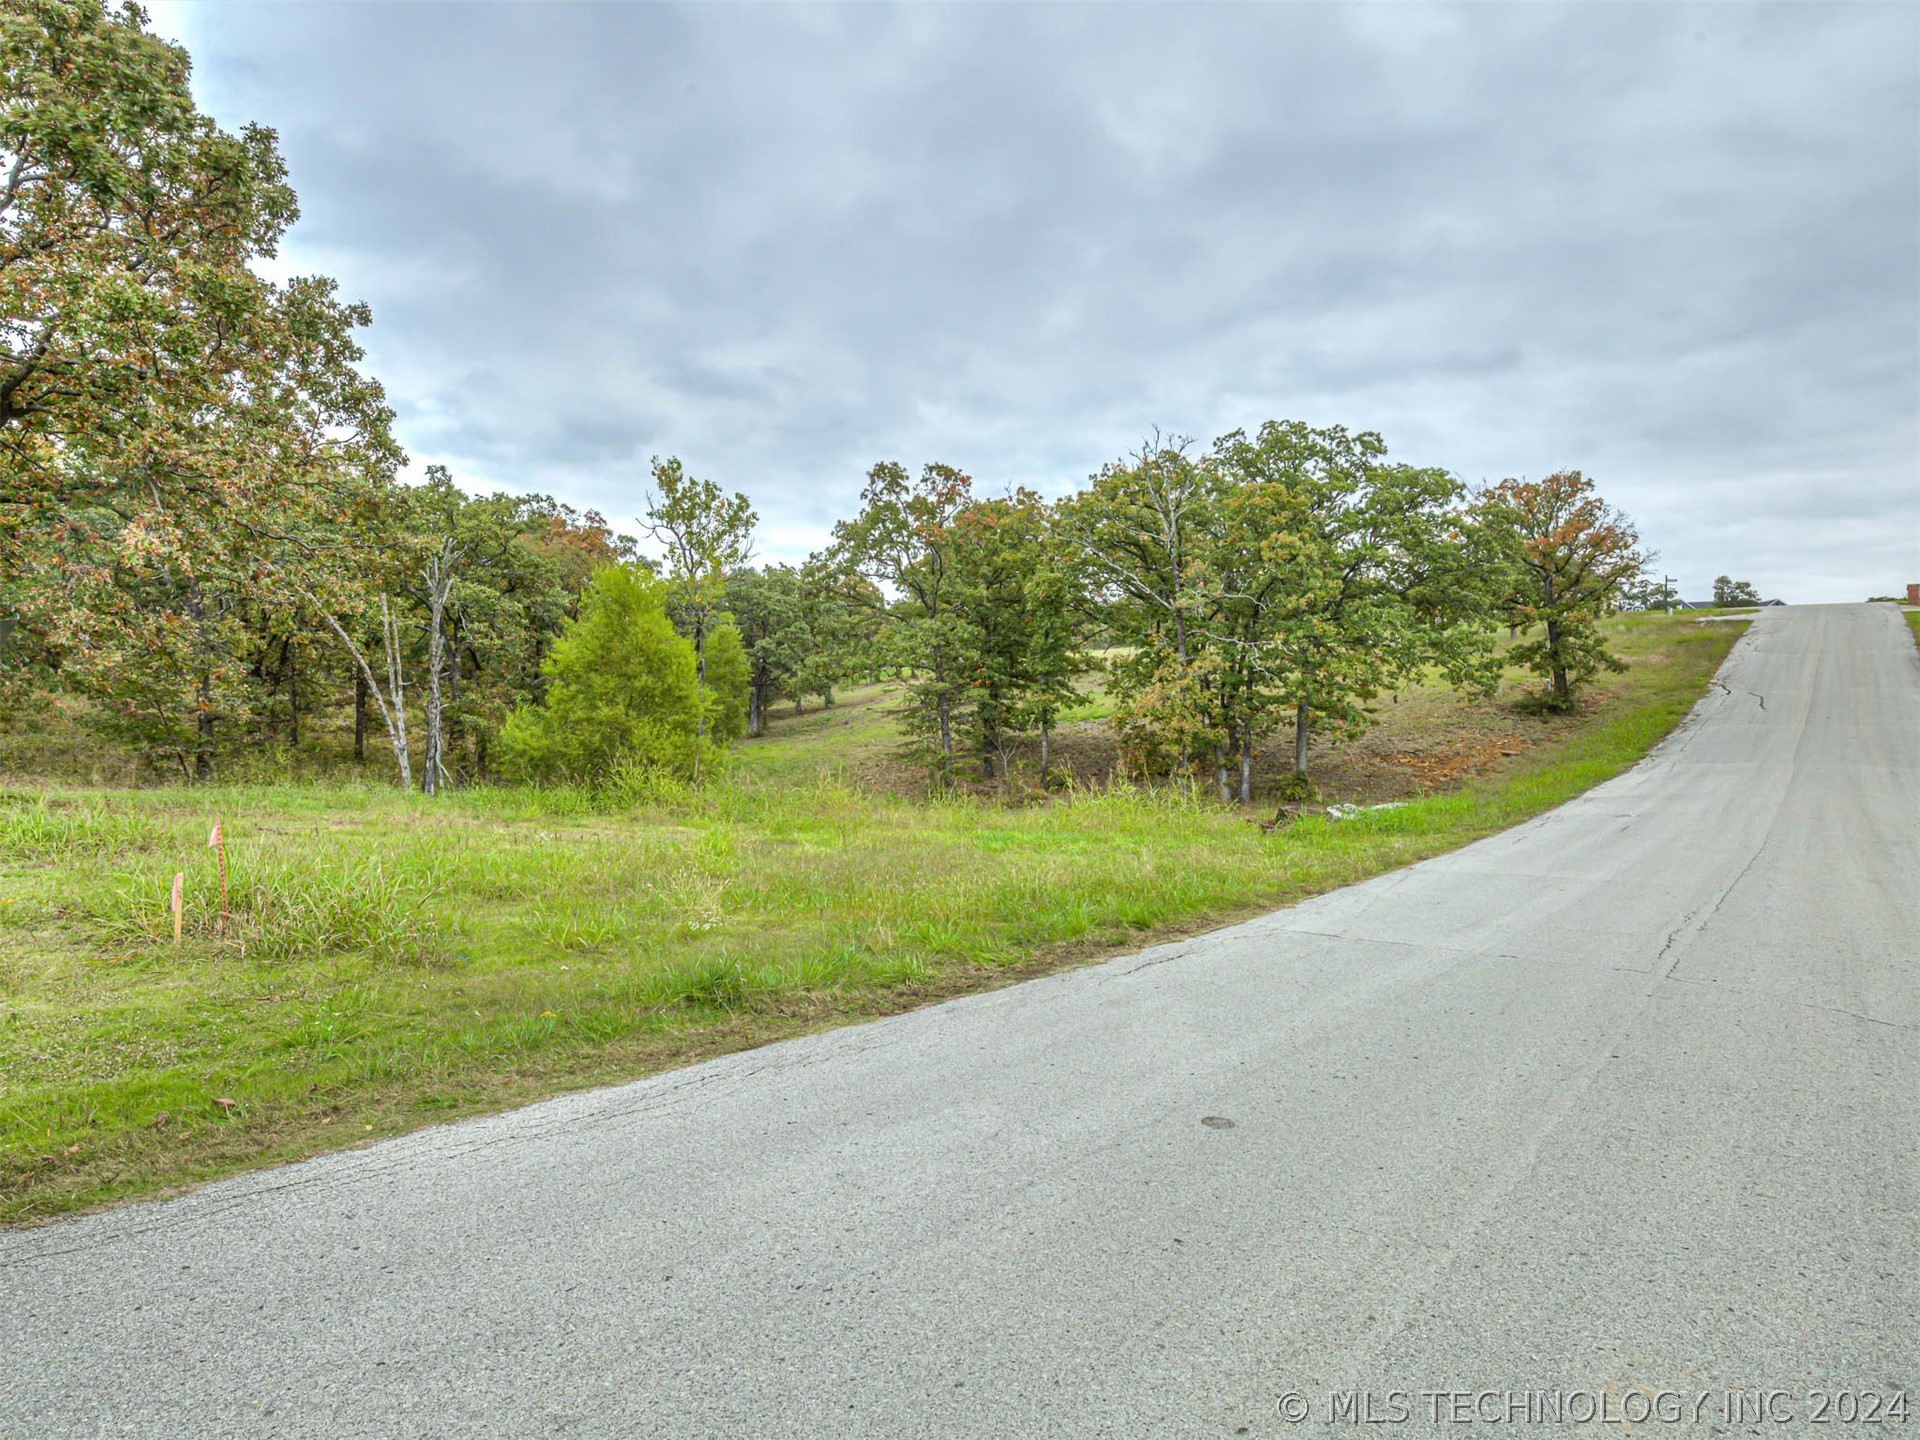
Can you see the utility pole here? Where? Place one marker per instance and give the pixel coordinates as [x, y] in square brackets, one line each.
[1666, 593]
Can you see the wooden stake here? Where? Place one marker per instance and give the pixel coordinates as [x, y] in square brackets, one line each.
[179, 884]
[217, 844]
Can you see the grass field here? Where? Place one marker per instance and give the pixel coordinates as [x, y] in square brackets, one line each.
[392, 961]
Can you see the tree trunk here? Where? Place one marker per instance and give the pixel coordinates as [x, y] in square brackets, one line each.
[756, 706]
[1220, 774]
[1562, 691]
[439, 578]
[1043, 752]
[1246, 771]
[945, 707]
[1300, 739]
[430, 765]
[359, 717]
[396, 715]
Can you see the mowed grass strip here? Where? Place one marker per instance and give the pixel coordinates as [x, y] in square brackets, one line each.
[391, 961]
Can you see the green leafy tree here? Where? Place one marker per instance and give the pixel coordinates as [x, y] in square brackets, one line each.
[903, 540]
[1728, 591]
[178, 436]
[843, 616]
[1054, 654]
[1565, 558]
[728, 681]
[705, 533]
[1366, 575]
[1134, 534]
[622, 690]
[769, 608]
[1012, 592]
[1644, 592]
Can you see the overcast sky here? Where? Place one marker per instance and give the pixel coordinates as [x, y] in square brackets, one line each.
[1677, 248]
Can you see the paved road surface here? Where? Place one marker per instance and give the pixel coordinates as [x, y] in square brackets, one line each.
[1628, 1096]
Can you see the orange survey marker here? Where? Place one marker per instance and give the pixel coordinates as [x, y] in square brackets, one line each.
[219, 845]
[179, 883]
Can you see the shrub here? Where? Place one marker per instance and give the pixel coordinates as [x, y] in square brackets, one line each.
[622, 692]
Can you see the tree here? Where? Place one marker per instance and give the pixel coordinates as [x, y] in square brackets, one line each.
[843, 615]
[177, 434]
[1133, 533]
[1644, 592]
[1054, 657]
[1366, 576]
[727, 681]
[705, 533]
[622, 690]
[769, 608]
[576, 543]
[1566, 558]
[902, 539]
[1017, 650]
[1734, 592]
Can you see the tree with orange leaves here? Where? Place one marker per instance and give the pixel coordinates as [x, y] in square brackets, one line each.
[1568, 560]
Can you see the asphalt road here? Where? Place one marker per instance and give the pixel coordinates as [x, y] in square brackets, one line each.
[1622, 1103]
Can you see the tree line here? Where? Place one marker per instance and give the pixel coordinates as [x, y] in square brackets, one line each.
[202, 533]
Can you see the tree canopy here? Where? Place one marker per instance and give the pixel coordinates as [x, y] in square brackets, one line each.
[1565, 559]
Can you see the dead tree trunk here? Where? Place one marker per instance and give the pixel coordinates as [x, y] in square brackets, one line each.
[394, 713]
[456, 740]
[439, 578]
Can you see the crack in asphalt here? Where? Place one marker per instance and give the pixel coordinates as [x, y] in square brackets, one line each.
[1792, 1003]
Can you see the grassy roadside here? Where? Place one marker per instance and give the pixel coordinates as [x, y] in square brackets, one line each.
[393, 962]
[1913, 619]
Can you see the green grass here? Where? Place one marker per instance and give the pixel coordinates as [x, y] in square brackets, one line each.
[1913, 619]
[836, 740]
[391, 961]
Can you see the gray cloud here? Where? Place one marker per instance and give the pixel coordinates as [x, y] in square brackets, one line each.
[1676, 247]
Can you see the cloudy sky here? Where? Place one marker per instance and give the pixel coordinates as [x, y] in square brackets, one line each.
[1675, 247]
